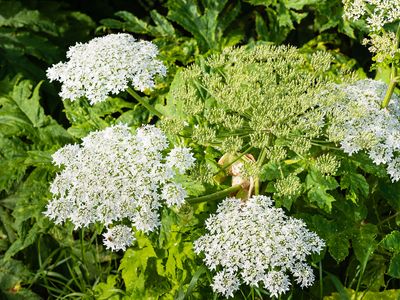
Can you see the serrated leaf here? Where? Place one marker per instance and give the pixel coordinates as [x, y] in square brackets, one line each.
[355, 183]
[85, 118]
[13, 272]
[322, 198]
[318, 186]
[134, 263]
[390, 192]
[164, 28]
[107, 290]
[206, 25]
[337, 238]
[135, 24]
[391, 241]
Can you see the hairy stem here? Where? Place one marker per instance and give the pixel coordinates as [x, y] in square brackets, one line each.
[215, 196]
[143, 102]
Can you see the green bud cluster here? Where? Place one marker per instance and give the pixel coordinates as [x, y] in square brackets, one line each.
[253, 96]
[327, 164]
[289, 186]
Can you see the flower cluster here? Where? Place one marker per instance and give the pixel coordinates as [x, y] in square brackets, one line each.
[251, 96]
[116, 176]
[378, 13]
[107, 65]
[383, 45]
[359, 124]
[254, 243]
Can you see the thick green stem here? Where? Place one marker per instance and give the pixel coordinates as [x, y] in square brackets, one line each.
[144, 102]
[215, 196]
[390, 90]
[260, 161]
[393, 76]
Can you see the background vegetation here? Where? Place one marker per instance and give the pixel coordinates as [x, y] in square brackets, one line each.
[39, 260]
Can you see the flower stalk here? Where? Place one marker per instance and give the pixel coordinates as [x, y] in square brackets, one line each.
[393, 76]
[215, 196]
[150, 108]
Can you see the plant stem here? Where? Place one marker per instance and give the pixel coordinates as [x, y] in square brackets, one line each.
[393, 75]
[260, 161]
[363, 266]
[144, 102]
[215, 196]
[390, 90]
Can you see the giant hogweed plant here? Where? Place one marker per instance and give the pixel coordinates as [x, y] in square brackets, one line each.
[278, 121]
[84, 195]
[323, 147]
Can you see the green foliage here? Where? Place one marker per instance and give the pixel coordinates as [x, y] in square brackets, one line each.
[351, 294]
[30, 39]
[28, 137]
[281, 17]
[262, 101]
[85, 118]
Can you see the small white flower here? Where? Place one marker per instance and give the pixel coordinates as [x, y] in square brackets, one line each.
[225, 283]
[256, 244]
[173, 194]
[118, 237]
[107, 65]
[277, 282]
[181, 157]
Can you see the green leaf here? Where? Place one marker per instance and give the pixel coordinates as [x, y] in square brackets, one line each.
[23, 242]
[14, 274]
[391, 241]
[390, 192]
[206, 25]
[364, 242]
[367, 295]
[322, 198]
[336, 236]
[134, 263]
[85, 118]
[394, 266]
[355, 183]
[107, 290]
[318, 186]
[164, 28]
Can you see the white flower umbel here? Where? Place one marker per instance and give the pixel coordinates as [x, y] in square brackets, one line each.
[377, 13]
[107, 65]
[118, 237]
[359, 123]
[116, 176]
[254, 243]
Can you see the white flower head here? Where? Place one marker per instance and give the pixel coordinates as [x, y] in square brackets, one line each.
[115, 175]
[181, 157]
[254, 243]
[225, 283]
[118, 237]
[107, 65]
[359, 123]
[377, 13]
